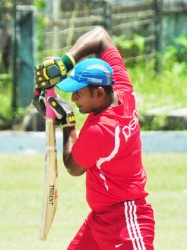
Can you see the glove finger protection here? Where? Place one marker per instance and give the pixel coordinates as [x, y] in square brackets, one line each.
[49, 73]
[63, 110]
[53, 71]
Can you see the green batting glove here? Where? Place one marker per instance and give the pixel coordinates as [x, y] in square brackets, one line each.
[53, 71]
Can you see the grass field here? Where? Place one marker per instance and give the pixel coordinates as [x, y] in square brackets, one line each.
[21, 196]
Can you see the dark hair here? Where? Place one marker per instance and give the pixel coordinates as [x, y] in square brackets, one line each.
[107, 88]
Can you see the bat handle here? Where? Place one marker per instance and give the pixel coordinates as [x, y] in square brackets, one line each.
[49, 92]
[49, 111]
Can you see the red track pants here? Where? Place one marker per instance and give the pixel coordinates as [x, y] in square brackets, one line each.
[125, 226]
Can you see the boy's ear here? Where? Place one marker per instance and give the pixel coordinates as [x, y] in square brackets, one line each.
[100, 91]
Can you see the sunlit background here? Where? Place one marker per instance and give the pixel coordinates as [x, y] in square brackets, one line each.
[152, 38]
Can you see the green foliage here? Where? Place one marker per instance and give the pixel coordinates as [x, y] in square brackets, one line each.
[153, 90]
[164, 92]
[176, 53]
[40, 4]
[122, 42]
[181, 43]
[40, 24]
[130, 48]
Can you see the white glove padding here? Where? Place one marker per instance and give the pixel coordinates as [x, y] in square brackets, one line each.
[63, 111]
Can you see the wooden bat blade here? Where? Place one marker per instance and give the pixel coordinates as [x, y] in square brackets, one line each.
[51, 180]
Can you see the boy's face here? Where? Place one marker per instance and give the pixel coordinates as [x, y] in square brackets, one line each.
[85, 100]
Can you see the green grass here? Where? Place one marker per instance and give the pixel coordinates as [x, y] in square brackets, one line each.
[21, 195]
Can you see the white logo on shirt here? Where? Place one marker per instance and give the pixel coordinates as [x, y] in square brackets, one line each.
[127, 133]
[118, 245]
[131, 126]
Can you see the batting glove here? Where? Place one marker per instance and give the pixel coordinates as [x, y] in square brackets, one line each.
[53, 71]
[39, 101]
[63, 110]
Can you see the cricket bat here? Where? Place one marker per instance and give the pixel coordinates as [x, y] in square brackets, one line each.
[50, 199]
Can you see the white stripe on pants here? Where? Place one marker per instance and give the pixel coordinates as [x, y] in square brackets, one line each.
[133, 226]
